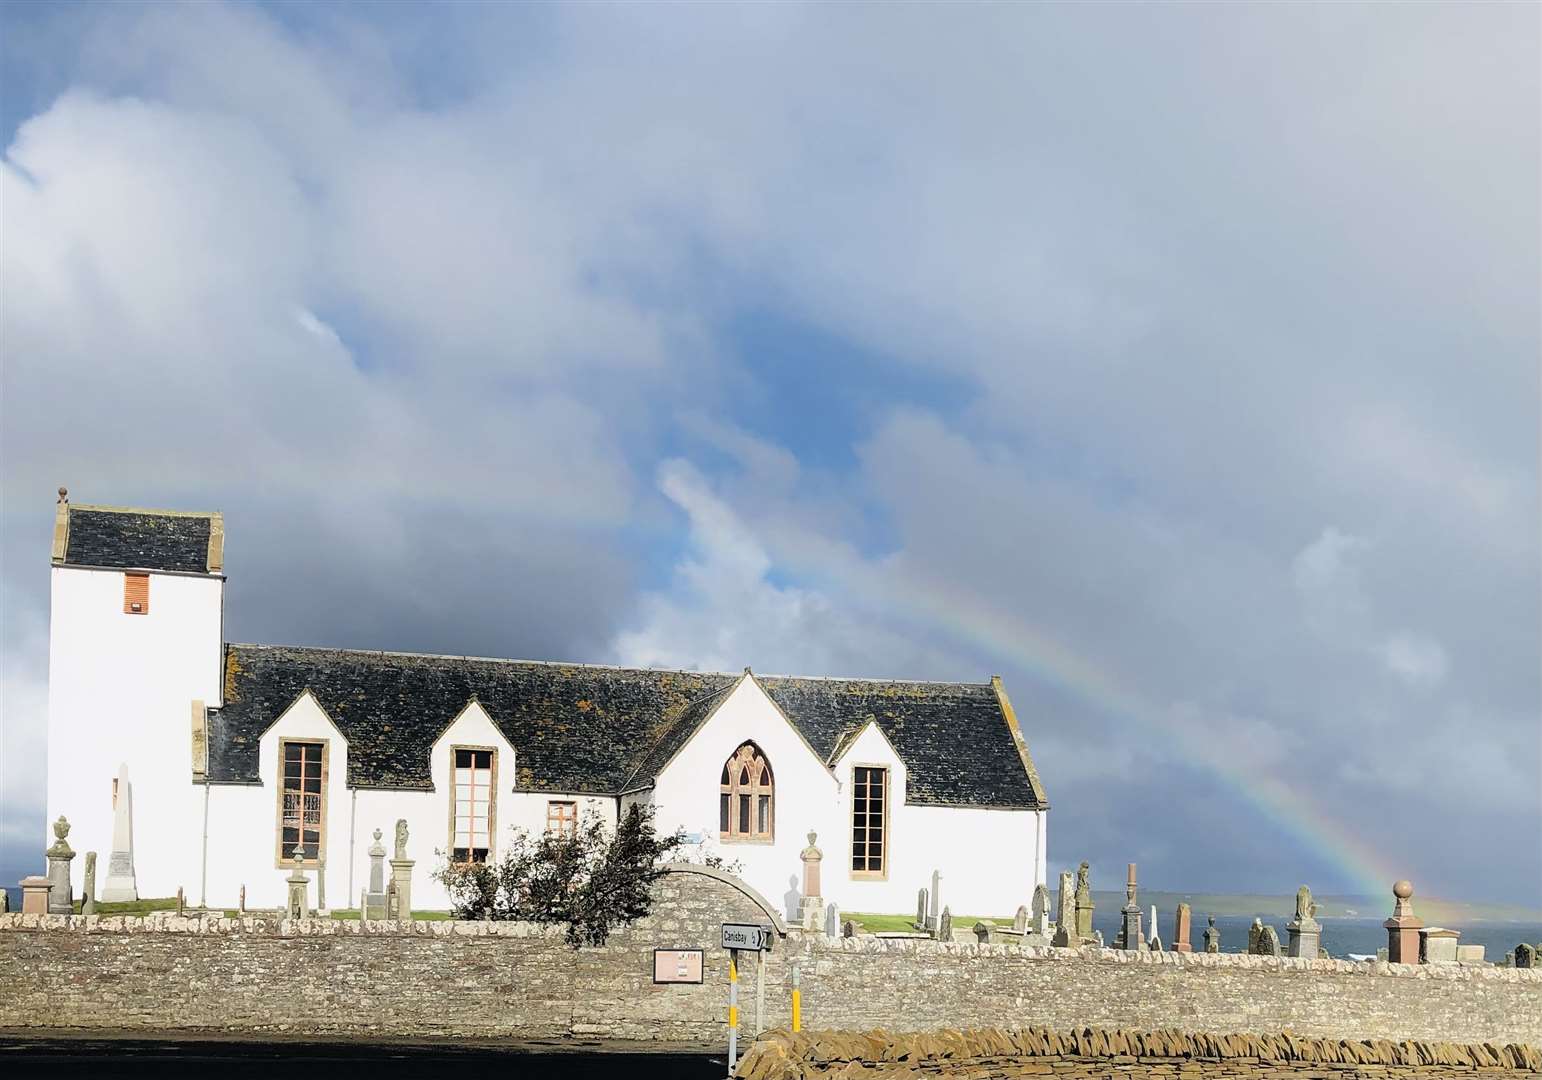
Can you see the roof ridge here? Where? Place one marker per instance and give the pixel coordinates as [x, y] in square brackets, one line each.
[151, 510]
[602, 667]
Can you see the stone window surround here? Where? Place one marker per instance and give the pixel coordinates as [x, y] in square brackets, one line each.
[755, 791]
[887, 853]
[284, 859]
[492, 798]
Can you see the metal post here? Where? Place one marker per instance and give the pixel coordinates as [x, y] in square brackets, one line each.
[733, 1009]
[797, 1002]
[760, 993]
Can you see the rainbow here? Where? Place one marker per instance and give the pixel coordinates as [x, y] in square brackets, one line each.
[1016, 642]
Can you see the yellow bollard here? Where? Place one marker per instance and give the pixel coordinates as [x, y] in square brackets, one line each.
[733, 1009]
[797, 1001]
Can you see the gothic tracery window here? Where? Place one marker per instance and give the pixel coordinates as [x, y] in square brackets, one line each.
[746, 798]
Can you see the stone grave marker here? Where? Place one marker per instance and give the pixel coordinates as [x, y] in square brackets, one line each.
[61, 900]
[88, 890]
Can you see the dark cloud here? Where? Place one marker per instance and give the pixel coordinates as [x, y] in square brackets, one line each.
[1233, 317]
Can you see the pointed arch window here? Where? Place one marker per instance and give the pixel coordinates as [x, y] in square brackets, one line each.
[747, 797]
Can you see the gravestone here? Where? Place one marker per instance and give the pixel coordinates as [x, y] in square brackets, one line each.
[1304, 930]
[1038, 925]
[373, 905]
[936, 901]
[1130, 938]
[119, 886]
[1065, 914]
[88, 890]
[34, 895]
[1469, 954]
[297, 905]
[832, 920]
[1438, 945]
[1403, 927]
[1269, 942]
[1525, 956]
[242, 909]
[982, 933]
[1212, 937]
[61, 900]
[813, 905]
[1181, 920]
[1255, 936]
[1083, 905]
[945, 925]
[401, 873]
[848, 929]
[1020, 920]
[1154, 942]
[921, 909]
[5, 901]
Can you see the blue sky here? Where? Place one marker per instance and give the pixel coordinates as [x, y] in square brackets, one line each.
[1177, 363]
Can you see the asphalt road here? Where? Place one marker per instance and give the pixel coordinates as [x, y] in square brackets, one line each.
[63, 1055]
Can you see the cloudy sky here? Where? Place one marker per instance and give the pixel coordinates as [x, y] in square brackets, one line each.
[1178, 363]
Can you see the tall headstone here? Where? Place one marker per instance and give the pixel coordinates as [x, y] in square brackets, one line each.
[945, 925]
[119, 886]
[1083, 905]
[1304, 930]
[1255, 936]
[1181, 921]
[321, 885]
[1212, 937]
[374, 902]
[61, 900]
[88, 891]
[1040, 915]
[1154, 942]
[1020, 920]
[921, 911]
[401, 873]
[1129, 935]
[5, 900]
[936, 901]
[1065, 914]
[297, 906]
[242, 909]
[813, 905]
[1403, 927]
[832, 920]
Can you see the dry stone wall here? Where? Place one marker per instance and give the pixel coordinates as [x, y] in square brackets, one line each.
[515, 980]
[1089, 1053]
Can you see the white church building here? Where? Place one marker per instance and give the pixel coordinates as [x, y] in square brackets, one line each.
[235, 755]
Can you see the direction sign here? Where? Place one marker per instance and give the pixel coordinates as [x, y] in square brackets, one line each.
[746, 936]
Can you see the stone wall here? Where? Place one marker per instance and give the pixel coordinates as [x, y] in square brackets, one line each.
[514, 980]
[1090, 1053]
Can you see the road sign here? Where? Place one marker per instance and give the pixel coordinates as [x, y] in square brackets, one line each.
[746, 936]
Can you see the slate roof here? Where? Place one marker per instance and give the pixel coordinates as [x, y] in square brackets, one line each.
[599, 730]
[138, 539]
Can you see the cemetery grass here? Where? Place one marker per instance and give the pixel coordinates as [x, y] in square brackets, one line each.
[169, 903]
[888, 924]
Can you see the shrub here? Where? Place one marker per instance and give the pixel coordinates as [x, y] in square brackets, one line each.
[590, 882]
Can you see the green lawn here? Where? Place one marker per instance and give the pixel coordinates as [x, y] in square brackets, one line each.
[885, 924]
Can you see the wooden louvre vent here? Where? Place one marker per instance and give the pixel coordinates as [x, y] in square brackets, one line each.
[136, 594]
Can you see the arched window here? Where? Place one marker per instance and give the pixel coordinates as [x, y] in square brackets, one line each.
[746, 799]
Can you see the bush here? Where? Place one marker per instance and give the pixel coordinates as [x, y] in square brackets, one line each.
[590, 882]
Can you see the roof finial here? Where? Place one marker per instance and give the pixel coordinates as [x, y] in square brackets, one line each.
[64, 494]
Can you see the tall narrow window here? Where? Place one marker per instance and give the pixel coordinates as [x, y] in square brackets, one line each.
[302, 798]
[136, 594]
[562, 818]
[472, 782]
[869, 819]
[746, 806]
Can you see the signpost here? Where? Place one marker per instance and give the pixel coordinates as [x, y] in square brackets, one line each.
[751, 937]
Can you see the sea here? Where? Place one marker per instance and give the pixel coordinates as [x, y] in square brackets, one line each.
[1340, 936]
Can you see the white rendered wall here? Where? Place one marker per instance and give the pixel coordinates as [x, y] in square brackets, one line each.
[120, 689]
[990, 859]
[244, 819]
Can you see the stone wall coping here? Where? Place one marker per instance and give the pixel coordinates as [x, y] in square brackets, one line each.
[740, 884]
[1233, 961]
[170, 923]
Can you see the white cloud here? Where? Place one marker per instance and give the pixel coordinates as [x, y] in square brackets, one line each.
[1418, 660]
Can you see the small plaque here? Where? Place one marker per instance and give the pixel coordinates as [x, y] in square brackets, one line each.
[677, 965]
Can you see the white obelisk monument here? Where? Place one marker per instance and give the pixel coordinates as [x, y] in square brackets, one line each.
[120, 865]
